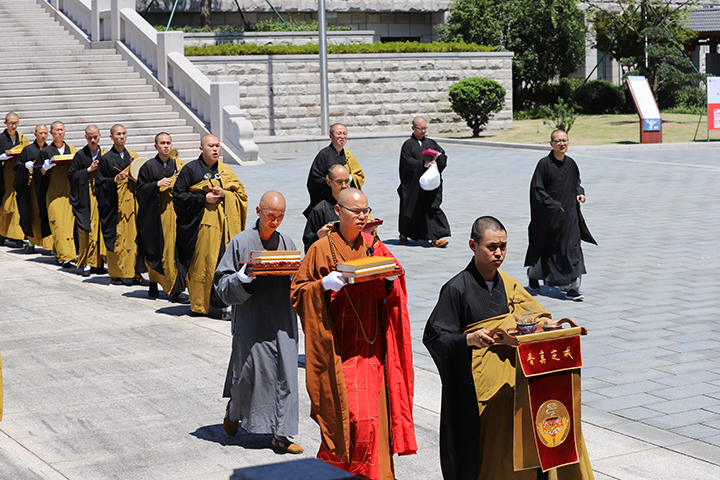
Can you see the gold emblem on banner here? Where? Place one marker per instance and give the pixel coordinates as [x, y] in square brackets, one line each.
[552, 423]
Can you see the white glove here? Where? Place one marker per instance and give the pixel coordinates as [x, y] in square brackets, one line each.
[242, 277]
[392, 278]
[29, 164]
[334, 281]
[47, 165]
[4, 156]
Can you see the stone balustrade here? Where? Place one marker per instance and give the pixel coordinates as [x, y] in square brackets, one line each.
[280, 94]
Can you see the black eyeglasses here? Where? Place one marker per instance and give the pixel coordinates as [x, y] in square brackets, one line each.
[357, 211]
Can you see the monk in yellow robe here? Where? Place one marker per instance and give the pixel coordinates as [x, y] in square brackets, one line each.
[91, 247]
[478, 377]
[117, 206]
[13, 141]
[52, 188]
[211, 207]
[156, 219]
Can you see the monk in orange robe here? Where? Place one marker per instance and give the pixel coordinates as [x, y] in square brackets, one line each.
[358, 350]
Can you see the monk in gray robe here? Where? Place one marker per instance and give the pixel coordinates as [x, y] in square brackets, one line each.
[262, 376]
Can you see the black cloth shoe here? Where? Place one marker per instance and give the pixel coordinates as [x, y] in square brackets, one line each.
[29, 249]
[140, 281]
[98, 271]
[574, 295]
[153, 291]
[86, 271]
[117, 281]
[533, 284]
[180, 298]
[66, 265]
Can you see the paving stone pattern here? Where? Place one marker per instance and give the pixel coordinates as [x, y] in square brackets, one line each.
[102, 382]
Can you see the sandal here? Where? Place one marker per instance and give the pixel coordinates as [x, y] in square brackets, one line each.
[284, 445]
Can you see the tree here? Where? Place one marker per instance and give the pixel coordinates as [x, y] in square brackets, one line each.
[546, 36]
[475, 99]
[205, 15]
[623, 33]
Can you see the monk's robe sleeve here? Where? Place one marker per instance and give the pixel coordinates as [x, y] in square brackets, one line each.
[358, 176]
[189, 203]
[79, 179]
[227, 285]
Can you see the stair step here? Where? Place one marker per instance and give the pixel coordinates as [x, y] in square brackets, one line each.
[71, 79]
[97, 110]
[98, 70]
[74, 90]
[20, 67]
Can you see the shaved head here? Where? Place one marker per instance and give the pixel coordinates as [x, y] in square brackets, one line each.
[91, 129]
[272, 200]
[11, 115]
[209, 138]
[350, 195]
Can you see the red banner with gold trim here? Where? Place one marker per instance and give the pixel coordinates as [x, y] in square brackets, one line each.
[548, 356]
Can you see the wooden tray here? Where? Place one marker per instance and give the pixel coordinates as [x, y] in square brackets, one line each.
[375, 276]
[510, 336]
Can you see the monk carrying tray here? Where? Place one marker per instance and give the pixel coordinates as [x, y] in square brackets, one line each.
[274, 262]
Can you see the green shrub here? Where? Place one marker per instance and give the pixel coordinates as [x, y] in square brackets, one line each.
[475, 99]
[689, 97]
[548, 93]
[390, 47]
[532, 114]
[598, 97]
[560, 116]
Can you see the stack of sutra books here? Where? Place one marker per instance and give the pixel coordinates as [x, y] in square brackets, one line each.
[275, 262]
[367, 268]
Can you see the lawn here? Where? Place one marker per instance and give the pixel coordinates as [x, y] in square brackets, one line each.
[606, 130]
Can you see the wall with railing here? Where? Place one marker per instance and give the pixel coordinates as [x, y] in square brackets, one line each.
[159, 56]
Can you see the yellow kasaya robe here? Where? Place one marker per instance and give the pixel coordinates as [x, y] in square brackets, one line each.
[205, 229]
[121, 261]
[9, 214]
[168, 221]
[356, 172]
[91, 246]
[59, 210]
[493, 370]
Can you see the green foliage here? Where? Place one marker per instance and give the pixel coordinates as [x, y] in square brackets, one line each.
[599, 97]
[560, 116]
[548, 93]
[532, 114]
[390, 47]
[546, 36]
[669, 71]
[475, 99]
[266, 26]
[276, 26]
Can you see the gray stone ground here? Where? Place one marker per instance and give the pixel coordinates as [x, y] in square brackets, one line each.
[102, 382]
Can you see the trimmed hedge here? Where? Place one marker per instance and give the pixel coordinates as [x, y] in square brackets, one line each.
[390, 47]
[598, 97]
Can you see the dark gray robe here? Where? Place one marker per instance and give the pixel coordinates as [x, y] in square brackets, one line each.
[556, 223]
[420, 216]
[262, 375]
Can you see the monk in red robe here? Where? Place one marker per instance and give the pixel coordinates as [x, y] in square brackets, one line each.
[358, 350]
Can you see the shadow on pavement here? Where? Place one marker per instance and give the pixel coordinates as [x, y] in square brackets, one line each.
[216, 433]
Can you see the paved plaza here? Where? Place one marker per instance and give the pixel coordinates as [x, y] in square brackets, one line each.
[102, 382]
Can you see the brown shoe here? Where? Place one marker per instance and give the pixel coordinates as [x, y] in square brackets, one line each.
[403, 239]
[284, 445]
[439, 243]
[231, 428]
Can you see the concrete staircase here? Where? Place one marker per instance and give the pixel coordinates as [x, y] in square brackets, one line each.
[47, 75]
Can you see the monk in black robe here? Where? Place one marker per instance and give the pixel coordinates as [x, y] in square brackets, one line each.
[91, 248]
[557, 226]
[478, 377]
[321, 218]
[24, 188]
[335, 153]
[52, 189]
[420, 215]
[156, 219]
[115, 192]
[13, 140]
[211, 207]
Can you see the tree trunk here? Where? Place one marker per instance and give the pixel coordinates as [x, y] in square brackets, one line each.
[205, 14]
